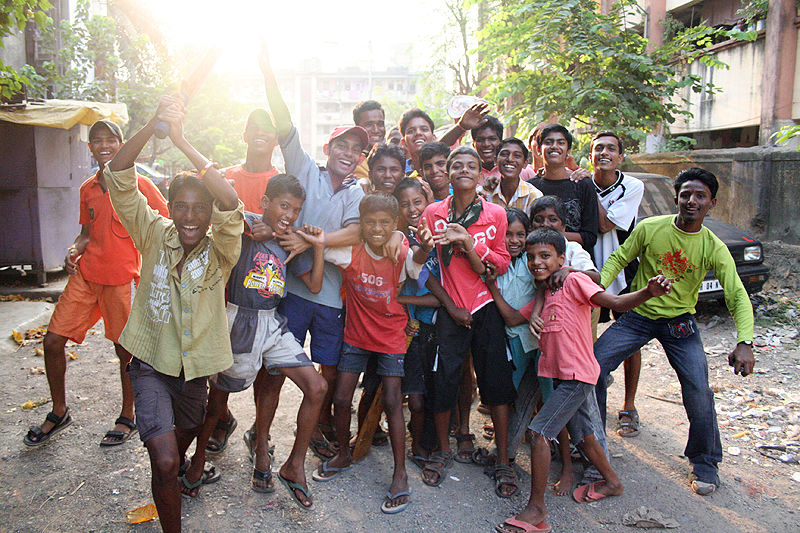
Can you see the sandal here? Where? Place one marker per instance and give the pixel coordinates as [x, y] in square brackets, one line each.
[438, 463]
[36, 436]
[631, 428]
[505, 475]
[323, 448]
[250, 442]
[260, 481]
[464, 455]
[488, 431]
[216, 446]
[482, 457]
[118, 437]
[416, 459]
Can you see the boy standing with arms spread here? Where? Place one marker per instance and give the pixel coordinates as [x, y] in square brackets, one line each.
[177, 329]
[103, 264]
[684, 250]
[375, 327]
[468, 231]
[580, 199]
[566, 341]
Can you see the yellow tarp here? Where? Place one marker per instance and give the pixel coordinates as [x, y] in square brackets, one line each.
[64, 113]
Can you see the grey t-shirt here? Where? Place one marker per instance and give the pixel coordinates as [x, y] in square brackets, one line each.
[324, 207]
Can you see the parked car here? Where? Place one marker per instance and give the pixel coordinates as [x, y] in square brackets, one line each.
[659, 199]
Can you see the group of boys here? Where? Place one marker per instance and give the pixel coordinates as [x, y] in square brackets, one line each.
[377, 216]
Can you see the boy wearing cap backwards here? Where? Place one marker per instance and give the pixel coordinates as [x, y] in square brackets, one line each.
[332, 199]
[103, 264]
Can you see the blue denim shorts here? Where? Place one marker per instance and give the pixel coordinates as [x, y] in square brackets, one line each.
[355, 360]
[571, 404]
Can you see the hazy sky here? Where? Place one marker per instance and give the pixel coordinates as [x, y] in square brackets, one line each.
[338, 32]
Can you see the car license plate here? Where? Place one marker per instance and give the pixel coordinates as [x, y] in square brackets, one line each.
[710, 285]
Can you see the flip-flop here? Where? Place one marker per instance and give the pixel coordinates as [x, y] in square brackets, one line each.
[416, 459]
[400, 508]
[588, 494]
[262, 477]
[632, 425]
[541, 527]
[220, 445]
[323, 444]
[120, 436]
[36, 436]
[291, 486]
[317, 475]
[190, 486]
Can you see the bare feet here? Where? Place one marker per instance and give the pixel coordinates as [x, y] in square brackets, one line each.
[565, 482]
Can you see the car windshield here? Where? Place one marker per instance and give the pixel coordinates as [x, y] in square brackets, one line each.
[659, 197]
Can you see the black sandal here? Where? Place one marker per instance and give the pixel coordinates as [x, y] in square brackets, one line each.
[119, 436]
[36, 436]
[464, 456]
[262, 477]
[216, 446]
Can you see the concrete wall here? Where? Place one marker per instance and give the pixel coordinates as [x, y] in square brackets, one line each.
[759, 187]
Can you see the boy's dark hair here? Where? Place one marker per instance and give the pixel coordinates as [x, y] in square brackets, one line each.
[188, 180]
[609, 133]
[697, 174]
[491, 123]
[462, 150]
[364, 106]
[386, 150]
[430, 149]
[284, 183]
[534, 135]
[547, 236]
[514, 214]
[408, 183]
[513, 140]
[378, 201]
[549, 202]
[554, 128]
[412, 114]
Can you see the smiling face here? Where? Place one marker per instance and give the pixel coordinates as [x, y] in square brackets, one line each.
[281, 212]
[694, 201]
[190, 210]
[465, 172]
[511, 161]
[606, 156]
[260, 138]
[418, 132]
[104, 145]
[344, 154]
[515, 238]
[377, 228]
[434, 170]
[485, 143]
[543, 260]
[373, 121]
[385, 174]
[554, 149]
[548, 218]
[412, 203]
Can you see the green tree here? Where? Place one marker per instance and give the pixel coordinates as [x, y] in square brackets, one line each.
[14, 16]
[564, 58]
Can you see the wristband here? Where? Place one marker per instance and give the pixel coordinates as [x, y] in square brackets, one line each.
[202, 173]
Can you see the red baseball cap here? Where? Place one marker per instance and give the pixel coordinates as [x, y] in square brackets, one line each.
[362, 134]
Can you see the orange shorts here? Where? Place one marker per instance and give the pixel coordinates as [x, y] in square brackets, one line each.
[83, 303]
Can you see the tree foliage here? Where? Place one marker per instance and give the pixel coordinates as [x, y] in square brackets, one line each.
[14, 16]
[565, 59]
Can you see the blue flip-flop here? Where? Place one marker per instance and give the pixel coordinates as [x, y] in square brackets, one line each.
[291, 486]
[398, 509]
[317, 476]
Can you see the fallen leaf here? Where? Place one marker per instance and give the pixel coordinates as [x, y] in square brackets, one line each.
[72, 354]
[12, 298]
[30, 404]
[741, 434]
[36, 333]
[143, 514]
[37, 370]
[38, 352]
[18, 338]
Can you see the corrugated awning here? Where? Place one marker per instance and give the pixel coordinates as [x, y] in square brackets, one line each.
[64, 114]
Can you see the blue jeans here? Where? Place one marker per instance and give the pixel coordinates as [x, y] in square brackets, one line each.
[681, 341]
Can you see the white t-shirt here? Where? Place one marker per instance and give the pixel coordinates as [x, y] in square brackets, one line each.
[621, 202]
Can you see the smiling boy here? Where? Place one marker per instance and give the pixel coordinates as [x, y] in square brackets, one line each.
[103, 264]
[433, 161]
[369, 114]
[386, 167]
[416, 127]
[512, 157]
[177, 329]
[681, 248]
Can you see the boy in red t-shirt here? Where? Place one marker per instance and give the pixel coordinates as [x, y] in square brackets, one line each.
[374, 327]
[103, 264]
[568, 358]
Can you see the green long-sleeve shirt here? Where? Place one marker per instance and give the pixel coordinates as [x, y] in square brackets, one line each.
[684, 258]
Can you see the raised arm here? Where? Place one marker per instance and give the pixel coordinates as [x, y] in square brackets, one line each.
[473, 117]
[280, 111]
[656, 286]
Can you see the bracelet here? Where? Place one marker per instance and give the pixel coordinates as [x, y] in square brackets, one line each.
[202, 173]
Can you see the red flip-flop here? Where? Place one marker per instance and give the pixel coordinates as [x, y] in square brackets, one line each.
[588, 494]
[541, 527]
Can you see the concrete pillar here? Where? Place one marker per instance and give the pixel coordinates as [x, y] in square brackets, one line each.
[780, 58]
